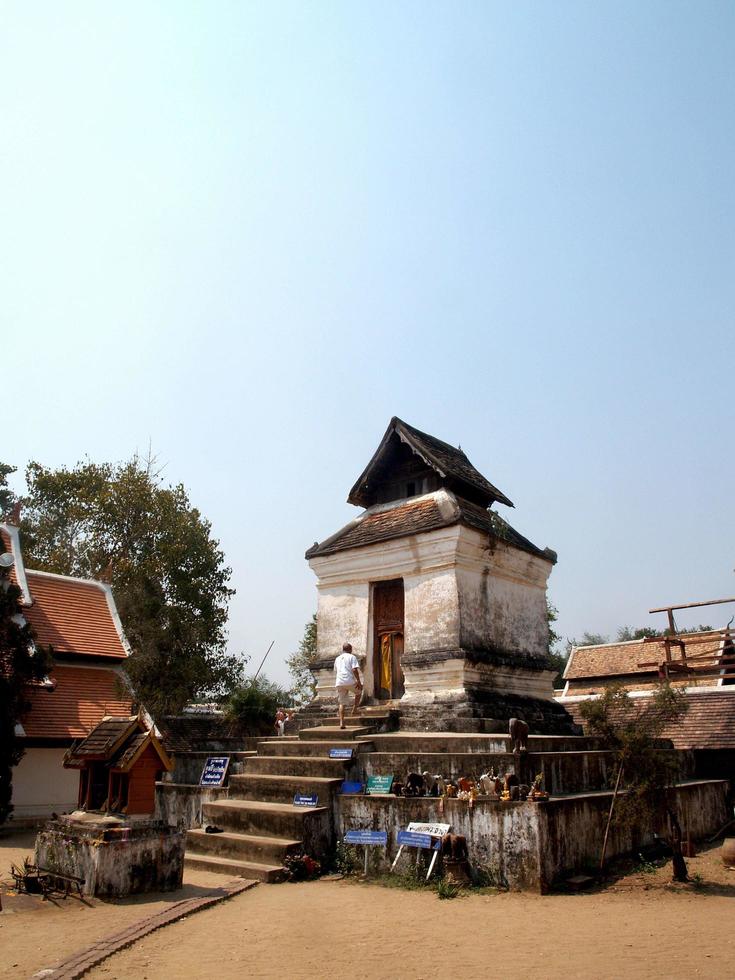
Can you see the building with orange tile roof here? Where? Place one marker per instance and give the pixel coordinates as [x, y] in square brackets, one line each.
[78, 619]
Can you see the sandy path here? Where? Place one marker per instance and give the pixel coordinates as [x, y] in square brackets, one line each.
[35, 934]
[314, 930]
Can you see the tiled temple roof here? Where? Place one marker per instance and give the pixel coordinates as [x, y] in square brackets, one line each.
[418, 516]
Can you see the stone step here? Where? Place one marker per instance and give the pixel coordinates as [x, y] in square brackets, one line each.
[264, 819]
[238, 869]
[241, 847]
[451, 742]
[333, 732]
[281, 788]
[290, 765]
[356, 721]
[310, 747]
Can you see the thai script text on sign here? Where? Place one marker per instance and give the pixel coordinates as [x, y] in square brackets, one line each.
[366, 837]
[301, 799]
[435, 829]
[214, 771]
[407, 838]
[379, 784]
[340, 753]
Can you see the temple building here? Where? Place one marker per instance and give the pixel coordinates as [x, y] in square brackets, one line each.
[78, 619]
[442, 600]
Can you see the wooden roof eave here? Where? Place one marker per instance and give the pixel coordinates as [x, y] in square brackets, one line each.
[153, 741]
[77, 762]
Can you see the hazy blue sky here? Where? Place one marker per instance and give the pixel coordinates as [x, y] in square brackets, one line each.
[252, 233]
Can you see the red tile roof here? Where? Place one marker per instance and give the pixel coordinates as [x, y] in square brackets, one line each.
[81, 699]
[610, 659]
[73, 615]
[708, 724]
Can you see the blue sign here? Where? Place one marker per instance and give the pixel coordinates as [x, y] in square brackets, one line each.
[215, 770]
[340, 753]
[348, 787]
[366, 837]
[408, 838]
[302, 800]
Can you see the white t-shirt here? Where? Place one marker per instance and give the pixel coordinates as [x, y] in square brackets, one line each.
[343, 667]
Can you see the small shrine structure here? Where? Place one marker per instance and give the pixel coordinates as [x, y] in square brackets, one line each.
[119, 763]
[442, 600]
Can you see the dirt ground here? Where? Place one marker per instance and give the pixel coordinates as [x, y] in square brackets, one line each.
[637, 926]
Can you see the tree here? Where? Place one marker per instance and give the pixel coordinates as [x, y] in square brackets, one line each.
[558, 659]
[7, 497]
[252, 705]
[117, 522]
[626, 633]
[20, 663]
[304, 686]
[630, 731]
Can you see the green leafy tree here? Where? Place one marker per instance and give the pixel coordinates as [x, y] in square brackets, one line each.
[626, 633]
[119, 523]
[304, 686]
[252, 705]
[21, 662]
[558, 659]
[7, 497]
[631, 731]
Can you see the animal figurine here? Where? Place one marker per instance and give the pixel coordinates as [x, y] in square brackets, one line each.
[523, 790]
[431, 784]
[451, 790]
[454, 847]
[487, 784]
[414, 785]
[518, 731]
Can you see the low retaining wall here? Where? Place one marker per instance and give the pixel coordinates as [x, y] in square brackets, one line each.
[114, 861]
[180, 804]
[529, 846]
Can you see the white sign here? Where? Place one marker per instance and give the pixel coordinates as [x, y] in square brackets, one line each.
[435, 829]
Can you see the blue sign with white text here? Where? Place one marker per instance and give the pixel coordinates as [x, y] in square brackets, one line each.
[408, 838]
[302, 800]
[340, 753]
[366, 837]
[214, 771]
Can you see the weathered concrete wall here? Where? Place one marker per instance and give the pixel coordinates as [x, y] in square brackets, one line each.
[503, 839]
[475, 615]
[180, 804]
[149, 858]
[564, 772]
[42, 786]
[502, 596]
[572, 830]
[529, 845]
[188, 766]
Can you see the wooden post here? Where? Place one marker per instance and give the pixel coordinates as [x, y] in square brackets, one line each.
[609, 817]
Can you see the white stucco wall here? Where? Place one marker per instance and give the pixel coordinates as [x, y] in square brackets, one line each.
[461, 592]
[502, 596]
[42, 785]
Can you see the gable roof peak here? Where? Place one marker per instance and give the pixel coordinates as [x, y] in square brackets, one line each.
[448, 461]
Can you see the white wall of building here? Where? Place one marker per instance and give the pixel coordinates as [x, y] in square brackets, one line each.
[42, 785]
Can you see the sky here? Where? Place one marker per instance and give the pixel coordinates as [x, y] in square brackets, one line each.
[249, 234]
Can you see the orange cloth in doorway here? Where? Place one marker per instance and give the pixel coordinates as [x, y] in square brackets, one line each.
[386, 661]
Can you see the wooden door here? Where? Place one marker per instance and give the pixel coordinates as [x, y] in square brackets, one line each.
[388, 607]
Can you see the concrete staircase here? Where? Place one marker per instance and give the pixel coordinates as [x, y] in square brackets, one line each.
[260, 825]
